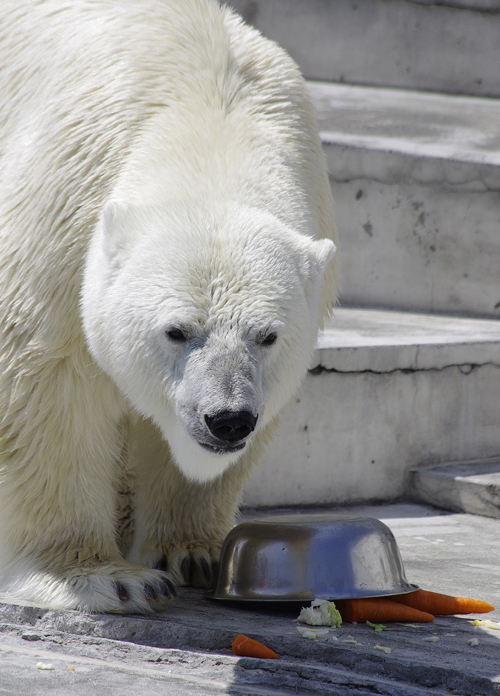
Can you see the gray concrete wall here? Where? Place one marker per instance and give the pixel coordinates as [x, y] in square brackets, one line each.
[382, 403]
[416, 183]
[439, 46]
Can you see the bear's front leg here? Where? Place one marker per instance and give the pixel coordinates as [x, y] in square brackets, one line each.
[180, 524]
[62, 440]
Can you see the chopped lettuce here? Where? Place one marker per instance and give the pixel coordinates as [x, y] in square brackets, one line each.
[383, 648]
[312, 632]
[321, 613]
[486, 623]
[377, 627]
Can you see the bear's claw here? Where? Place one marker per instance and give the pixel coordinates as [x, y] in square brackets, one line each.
[186, 569]
[121, 591]
[169, 588]
[190, 563]
[150, 592]
[161, 564]
[206, 569]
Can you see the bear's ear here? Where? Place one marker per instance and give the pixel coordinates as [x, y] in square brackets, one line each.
[117, 235]
[323, 251]
[109, 216]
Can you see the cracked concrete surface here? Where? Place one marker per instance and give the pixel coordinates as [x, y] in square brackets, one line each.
[363, 339]
[186, 649]
[388, 392]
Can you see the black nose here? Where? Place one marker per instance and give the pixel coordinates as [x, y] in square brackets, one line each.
[231, 426]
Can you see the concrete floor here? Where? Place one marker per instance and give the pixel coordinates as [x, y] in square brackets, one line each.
[187, 649]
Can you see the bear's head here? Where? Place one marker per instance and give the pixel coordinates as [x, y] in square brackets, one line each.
[205, 318]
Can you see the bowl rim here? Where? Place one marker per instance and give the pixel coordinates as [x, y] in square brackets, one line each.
[224, 597]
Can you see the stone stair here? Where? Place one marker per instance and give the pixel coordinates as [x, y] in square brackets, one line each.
[387, 392]
[416, 180]
[407, 376]
[437, 45]
[464, 487]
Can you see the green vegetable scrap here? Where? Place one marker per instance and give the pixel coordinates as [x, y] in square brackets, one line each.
[312, 632]
[377, 627]
[383, 648]
[321, 613]
[486, 623]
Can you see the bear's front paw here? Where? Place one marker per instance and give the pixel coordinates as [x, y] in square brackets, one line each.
[95, 587]
[125, 589]
[194, 563]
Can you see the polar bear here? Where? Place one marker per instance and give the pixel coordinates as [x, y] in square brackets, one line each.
[167, 256]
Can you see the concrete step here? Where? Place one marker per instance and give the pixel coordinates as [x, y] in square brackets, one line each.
[416, 183]
[442, 45]
[186, 650]
[387, 392]
[462, 487]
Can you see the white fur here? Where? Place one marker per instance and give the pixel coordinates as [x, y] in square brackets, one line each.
[167, 155]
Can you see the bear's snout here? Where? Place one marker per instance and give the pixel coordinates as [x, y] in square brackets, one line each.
[231, 426]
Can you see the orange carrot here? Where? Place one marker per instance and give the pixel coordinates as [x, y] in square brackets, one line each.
[248, 647]
[378, 609]
[436, 603]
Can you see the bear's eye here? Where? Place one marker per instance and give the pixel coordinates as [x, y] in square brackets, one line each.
[176, 335]
[269, 339]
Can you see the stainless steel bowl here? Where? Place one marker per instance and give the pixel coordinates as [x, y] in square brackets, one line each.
[300, 558]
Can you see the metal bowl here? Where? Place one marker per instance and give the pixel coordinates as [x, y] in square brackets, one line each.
[291, 558]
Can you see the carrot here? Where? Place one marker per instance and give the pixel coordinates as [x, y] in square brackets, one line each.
[248, 647]
[436, 603]
[378, 609]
